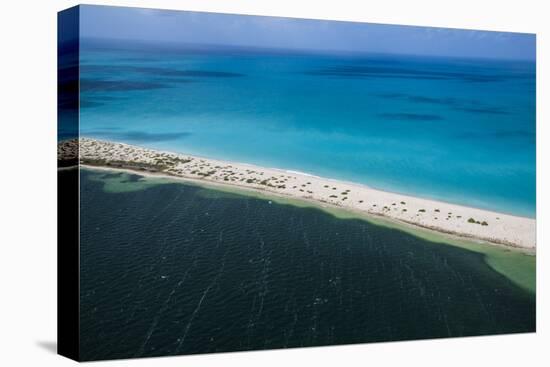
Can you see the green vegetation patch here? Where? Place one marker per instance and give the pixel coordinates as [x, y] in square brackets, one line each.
[119, 181]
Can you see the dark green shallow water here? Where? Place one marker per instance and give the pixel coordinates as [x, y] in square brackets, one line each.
[178, 269]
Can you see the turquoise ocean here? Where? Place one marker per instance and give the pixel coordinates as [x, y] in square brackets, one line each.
[458, 130]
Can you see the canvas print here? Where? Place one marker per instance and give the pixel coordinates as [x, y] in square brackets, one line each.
[233, 182]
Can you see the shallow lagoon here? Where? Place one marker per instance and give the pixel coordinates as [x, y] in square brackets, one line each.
[172, 268]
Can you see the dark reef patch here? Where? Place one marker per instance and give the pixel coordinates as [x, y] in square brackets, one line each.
[465, 105]
[171, 72]
[513, 134]
[137, 136]
[88, 103]
[376, 71]
[410, 116]
[95, 85]
[486, 110]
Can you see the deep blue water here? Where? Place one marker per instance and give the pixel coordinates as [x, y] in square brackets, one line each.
[458, 130]
[178, 269]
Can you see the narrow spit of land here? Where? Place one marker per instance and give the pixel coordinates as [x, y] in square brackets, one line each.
[497, 228]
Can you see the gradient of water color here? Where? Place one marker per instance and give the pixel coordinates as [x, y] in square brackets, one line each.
[458, 130]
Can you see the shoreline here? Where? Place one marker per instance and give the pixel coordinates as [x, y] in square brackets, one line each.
[328, 179]
[441, 217]
[336, 180]
[365, 186]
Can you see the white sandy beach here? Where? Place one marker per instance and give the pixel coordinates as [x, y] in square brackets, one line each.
[498, 228]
